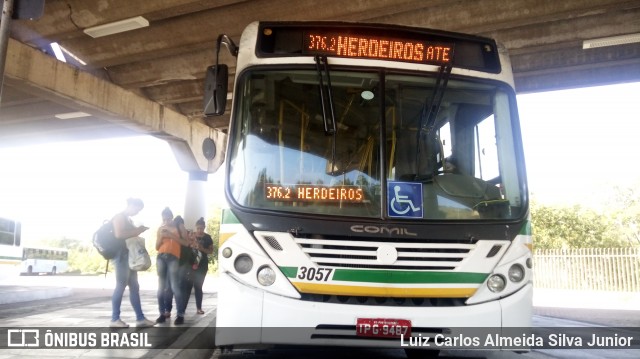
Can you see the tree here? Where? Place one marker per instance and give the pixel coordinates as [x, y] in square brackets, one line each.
[574, 227]
[626, 212]
[213, 228]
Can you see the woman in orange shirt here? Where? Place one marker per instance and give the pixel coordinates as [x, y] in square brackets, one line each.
[168, 243]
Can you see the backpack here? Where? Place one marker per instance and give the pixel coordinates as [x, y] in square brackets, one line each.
[105, 241]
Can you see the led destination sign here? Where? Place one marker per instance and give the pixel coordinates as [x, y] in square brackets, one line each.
[375, 47]
[313, 193]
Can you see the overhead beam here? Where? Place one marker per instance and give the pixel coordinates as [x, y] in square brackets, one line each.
[61, 83]
[573, 67]
[519, 30]
[175, 35]
[82, 14]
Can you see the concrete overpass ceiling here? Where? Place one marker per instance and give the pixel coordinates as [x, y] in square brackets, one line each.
[166, 61]
[27, 118]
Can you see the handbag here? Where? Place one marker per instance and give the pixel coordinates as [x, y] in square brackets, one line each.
[139, 259]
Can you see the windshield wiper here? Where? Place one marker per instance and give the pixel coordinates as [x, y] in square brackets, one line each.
[325, 92]
[428, 120]
[326, 102]
[438, 93]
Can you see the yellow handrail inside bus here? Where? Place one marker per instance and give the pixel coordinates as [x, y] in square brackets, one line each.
[304, 121]
[393, 137]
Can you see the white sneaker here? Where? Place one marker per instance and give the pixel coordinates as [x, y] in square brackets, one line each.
[144, 323]
[118, 324]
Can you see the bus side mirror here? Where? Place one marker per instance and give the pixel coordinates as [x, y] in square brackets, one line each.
[215, 90]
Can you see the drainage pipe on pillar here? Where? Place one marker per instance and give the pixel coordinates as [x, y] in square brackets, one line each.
[196, 200]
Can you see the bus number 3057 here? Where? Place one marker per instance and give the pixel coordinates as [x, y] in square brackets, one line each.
[314, 274]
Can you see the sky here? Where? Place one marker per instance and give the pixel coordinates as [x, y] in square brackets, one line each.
[579, 144]
[69, 189]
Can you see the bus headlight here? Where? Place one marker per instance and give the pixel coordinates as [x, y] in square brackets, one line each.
[496, 283]
[243, 264]
[227, 252]
[516, 273]
[266, 276]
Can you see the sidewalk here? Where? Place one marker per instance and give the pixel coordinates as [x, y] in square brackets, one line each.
[168, 340]
[585, 299]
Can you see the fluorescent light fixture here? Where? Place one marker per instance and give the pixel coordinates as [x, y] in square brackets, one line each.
[117, 27]
[611, 41]
[58, 52]
[70, 115]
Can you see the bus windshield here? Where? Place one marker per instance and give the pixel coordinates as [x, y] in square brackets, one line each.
[393, 153]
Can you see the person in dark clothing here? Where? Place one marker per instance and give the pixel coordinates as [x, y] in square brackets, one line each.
[185, 271]
[204, 246]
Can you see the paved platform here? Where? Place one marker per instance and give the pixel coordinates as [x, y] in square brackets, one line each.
[84, 304]
[88, 310]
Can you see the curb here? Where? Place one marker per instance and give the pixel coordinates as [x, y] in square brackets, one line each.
[16, 294]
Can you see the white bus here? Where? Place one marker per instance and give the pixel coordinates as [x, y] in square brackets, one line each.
[44, 260]
[376, 186]
[10, 247]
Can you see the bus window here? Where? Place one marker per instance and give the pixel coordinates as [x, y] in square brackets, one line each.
[486, 153]
[8, 232]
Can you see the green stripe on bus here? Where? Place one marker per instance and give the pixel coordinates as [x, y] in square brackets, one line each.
[11, 257]
[290, 272]
[228, 217]
[526, 228]
[395, 276]
[406, 277]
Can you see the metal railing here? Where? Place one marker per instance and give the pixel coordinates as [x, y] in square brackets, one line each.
[603, 269]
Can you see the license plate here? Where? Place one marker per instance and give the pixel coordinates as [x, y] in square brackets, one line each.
[383, 327]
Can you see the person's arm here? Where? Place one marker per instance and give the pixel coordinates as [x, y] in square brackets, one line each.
[122, 229]
[166, 232]
[182, 238]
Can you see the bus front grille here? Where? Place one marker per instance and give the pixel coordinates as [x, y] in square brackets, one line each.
[350, 253]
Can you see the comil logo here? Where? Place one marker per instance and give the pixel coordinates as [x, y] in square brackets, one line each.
[358, 228]
[23, 338]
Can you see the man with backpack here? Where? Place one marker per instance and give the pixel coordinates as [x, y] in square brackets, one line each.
[124, 228]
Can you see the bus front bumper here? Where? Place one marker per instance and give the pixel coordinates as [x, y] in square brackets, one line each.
[249, 315]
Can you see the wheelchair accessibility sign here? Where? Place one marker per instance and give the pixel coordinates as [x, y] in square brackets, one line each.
[404, 199]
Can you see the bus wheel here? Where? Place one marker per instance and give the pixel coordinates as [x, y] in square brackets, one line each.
[53, 271]
[30, 270]
[419, 353]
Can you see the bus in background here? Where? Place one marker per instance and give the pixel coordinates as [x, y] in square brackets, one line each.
[44, 260]
[376, 186]
[10, 247]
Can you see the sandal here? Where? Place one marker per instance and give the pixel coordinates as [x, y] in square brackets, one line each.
[200, 311]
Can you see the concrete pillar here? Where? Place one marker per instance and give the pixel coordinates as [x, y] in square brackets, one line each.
[195, 205]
